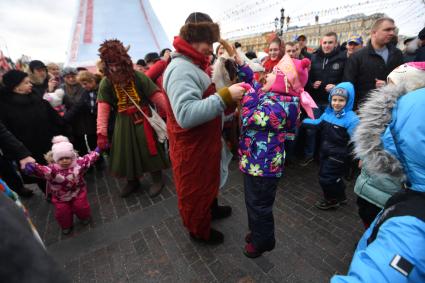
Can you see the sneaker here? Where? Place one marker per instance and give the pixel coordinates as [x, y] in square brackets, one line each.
[220, 211]
[67, 231]
[251, 252]
[215, 238]
[306, 161]
[343, 201]
[327, 204]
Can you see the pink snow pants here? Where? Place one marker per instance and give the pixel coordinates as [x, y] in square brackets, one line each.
[65, 210]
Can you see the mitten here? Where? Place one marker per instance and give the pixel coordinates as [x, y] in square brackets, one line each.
[29, 168]
[102, 142]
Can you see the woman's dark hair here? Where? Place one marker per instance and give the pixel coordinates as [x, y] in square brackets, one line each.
[163, 51]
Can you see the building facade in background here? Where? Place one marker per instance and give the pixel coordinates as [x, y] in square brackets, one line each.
[358, 24]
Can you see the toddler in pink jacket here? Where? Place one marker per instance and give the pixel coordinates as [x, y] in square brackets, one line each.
[65, 182]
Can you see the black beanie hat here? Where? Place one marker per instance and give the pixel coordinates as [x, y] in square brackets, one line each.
[37, 64]
[13, 78]
[151, 57]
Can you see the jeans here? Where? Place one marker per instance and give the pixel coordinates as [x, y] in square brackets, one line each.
[310, 132]
[260, 193]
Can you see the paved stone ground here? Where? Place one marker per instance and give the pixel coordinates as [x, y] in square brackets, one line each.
[140, 239]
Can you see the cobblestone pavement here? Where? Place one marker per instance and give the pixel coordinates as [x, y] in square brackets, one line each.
[140, 239]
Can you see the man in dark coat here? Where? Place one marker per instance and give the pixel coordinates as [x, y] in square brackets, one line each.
[303, 47]
[368, 68]
[39, 77]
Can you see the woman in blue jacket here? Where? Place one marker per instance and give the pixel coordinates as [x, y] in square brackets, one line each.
[393, 248]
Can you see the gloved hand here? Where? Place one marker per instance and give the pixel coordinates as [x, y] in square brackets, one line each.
[29, 168]
[98, 150]
[102, 142]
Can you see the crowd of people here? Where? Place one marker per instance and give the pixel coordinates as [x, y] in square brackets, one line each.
[348, 105]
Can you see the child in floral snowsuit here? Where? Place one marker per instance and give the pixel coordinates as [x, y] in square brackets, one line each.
[267, 115]
[65, 181]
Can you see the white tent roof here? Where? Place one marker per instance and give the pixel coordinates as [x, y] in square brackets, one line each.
[131, 21]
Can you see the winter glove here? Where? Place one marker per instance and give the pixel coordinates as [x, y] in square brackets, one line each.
[29, 168]
[98, 150]
[102, 142]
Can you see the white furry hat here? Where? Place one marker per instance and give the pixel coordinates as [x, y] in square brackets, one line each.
[62, 148]
[412, 75]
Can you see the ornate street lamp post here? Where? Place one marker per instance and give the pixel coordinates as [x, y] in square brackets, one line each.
[276, 22]
[282, 21]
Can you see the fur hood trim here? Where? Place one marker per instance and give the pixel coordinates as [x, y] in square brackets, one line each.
[375, 116]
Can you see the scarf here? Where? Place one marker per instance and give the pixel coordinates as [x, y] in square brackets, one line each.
[184, 48]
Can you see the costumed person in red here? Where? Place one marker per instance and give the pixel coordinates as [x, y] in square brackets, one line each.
[275, 54]
[135, 149]
[65, 181]
[194, 126]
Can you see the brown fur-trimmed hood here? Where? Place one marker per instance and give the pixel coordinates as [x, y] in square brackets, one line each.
[200, 32]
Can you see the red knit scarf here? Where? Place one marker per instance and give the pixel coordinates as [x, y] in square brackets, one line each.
[269, 64]
[183, 47]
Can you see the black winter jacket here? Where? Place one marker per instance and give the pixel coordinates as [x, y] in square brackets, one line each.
[31, 120]
[364, 66]
[327, 68]
[334, 140]
[11, 146]
[82, 114]
[23, 258]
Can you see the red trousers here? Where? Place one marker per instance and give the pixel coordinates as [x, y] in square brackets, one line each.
[65, 210]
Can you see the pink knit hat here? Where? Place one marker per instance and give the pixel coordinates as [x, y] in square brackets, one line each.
[62, 148]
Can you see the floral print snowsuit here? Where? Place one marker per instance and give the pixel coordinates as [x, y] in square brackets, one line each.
[266, 118]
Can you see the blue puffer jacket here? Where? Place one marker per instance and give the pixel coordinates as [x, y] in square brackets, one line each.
[402, 236]
[336, 128]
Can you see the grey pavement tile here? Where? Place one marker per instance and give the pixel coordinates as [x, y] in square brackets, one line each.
[139, 239]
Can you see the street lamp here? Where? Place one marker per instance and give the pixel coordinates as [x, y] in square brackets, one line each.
[276, 22]
[282, 21]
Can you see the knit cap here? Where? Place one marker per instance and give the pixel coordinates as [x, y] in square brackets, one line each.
[339, 91]
[62, 148]
[36, 64]
[13, 78]
[69, 71]
[411, 74]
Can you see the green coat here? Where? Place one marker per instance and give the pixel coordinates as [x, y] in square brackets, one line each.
[376, 189]
[129, 154]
